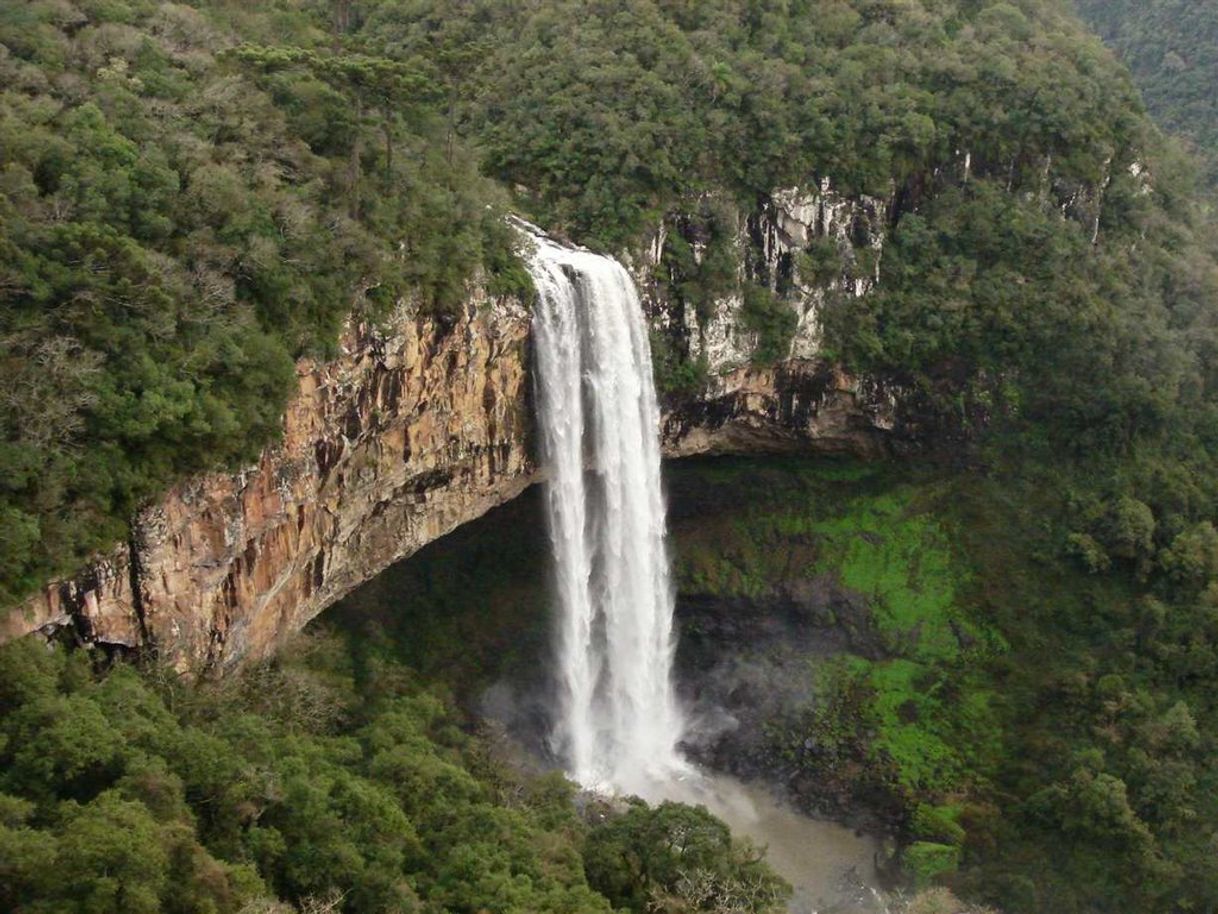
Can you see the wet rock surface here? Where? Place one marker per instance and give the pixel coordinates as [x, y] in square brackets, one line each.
[745, 666]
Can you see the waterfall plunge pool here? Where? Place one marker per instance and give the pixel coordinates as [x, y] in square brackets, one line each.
[831, 867]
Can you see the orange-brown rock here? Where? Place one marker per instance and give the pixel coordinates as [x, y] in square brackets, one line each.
[408, 433]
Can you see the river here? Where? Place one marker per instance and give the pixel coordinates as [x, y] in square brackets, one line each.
[831, 867]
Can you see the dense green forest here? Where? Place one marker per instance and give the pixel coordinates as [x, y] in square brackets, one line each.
[1171, 47]
[192, 195]
[315, 784]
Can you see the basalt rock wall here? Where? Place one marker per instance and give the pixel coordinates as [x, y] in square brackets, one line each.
[415, 428]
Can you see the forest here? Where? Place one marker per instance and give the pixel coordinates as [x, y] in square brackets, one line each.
[340, 785]
[1171, 48]
[195, 195]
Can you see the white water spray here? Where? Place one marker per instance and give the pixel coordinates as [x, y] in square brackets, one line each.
[619, 721]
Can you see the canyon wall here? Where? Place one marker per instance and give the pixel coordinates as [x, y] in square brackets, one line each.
[415, 428]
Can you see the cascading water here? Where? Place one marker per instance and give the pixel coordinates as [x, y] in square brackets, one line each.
[619, 720]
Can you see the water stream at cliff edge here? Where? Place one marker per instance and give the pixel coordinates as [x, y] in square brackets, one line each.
[619, 720]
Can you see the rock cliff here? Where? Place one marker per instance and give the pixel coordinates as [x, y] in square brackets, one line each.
[414, 429]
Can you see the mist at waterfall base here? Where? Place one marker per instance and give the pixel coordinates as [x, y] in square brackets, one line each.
[618, 720]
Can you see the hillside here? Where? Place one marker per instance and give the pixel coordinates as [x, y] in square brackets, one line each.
[1171, 48]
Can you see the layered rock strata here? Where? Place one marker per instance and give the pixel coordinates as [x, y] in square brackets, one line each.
[408, 433]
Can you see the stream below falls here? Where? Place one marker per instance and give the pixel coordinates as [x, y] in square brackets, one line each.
[831, 867]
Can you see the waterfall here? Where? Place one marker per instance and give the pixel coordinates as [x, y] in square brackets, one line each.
[618, 721]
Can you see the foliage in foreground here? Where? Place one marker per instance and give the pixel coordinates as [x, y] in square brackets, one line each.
[290, 787]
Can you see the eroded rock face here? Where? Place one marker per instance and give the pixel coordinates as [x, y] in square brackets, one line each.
[767, 243]
[802, 403]
[414, 429]
[410, 432]
[798, 405]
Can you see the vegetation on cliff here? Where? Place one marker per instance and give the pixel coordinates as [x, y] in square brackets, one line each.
[178, 222]
[192, 195]
[1171, 48]
[1044, 734]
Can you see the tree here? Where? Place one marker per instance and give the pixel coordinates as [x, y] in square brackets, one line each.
[679, 857]
[382, 91]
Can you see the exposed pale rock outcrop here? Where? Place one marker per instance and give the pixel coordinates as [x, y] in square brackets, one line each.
[767, 243]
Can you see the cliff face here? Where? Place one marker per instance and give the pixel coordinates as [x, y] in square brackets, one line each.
[414, 429]
[803, 402]
[410, 432]
[767, 245]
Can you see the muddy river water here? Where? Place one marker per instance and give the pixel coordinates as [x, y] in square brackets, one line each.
[831, 867]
